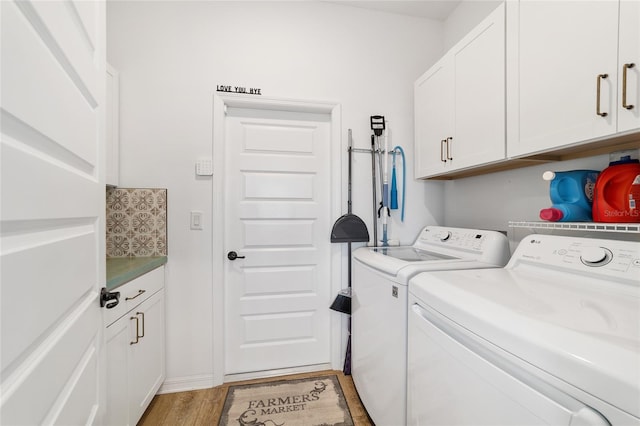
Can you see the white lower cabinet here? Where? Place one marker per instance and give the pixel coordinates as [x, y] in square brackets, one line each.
[136, 349]
[147, 355]
[117, 374]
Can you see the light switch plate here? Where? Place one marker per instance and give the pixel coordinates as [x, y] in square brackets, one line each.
[196, 221]
[204, 167]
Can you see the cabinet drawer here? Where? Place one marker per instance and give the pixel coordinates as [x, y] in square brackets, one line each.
[135, 292]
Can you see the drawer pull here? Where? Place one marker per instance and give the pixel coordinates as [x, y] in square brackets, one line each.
[139, 293]
[137, 330]
[142, 315]
[600, 78]
[624, 85]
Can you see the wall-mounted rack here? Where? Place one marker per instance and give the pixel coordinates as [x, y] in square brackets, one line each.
[368, 151]
[633, 228]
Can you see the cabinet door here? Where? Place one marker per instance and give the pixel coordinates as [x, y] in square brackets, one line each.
[479, 79]
[433, 97]
[147, 357]
[561, 47]
[117, 373]
[629, 117]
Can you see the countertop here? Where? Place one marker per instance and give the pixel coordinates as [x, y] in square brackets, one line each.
[121, 270]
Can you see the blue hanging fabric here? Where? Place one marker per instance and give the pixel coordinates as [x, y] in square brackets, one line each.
[394, 189]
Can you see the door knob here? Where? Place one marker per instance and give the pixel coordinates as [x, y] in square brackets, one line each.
[232, 255]
[110, 299]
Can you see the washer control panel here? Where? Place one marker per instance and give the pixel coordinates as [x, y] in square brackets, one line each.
[608, 258]
[454, 237]
[481, 245]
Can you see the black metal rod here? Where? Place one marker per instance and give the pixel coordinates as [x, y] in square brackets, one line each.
[349, 180]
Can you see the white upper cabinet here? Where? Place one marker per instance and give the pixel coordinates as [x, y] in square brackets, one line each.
[113, 127]
[480, 94]
[433, 97]
[563, 73]
[629, 67]
[460, 103]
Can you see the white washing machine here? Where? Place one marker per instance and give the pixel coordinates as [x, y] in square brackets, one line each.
[379, 307]
[551, 339]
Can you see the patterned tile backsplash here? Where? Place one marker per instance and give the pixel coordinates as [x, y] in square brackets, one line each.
[136, 222]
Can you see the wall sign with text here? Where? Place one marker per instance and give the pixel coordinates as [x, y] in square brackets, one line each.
[238, 89]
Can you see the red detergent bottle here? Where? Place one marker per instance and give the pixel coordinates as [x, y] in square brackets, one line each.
[617, 192]
[571, 193]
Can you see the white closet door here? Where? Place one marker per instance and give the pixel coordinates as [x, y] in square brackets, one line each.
[277, 200]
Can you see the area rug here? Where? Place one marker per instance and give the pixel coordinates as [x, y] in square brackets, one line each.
[305, 402]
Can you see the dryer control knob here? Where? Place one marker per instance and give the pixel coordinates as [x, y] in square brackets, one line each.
[444, 235]
[595, 256]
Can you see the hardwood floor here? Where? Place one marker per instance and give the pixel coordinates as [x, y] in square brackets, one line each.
[203, 407]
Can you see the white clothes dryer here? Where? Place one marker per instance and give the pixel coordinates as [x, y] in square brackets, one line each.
[551, 339]
[379, 307]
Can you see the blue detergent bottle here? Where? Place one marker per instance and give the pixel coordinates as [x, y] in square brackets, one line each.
[571, 193]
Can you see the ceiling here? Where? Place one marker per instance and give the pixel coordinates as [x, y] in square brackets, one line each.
[432, 9]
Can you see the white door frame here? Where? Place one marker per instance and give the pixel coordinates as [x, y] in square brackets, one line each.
[220, 104]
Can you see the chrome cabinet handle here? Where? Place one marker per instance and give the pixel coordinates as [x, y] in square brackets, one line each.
[600, 78]
[137, 330]
[449, 143]
[624, 85]
[139, 293]
[442, 157]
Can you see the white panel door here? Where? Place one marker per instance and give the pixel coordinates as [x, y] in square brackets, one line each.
[277, 214]
[51, 212]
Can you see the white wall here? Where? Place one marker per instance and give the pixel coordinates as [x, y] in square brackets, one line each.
[171, 56]
[467, 15]
[491, 201]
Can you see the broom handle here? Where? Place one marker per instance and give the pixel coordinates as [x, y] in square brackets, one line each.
[349, 263]
[349, 207]
[349, 179]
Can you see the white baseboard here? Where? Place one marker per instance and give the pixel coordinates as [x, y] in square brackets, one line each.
[183, 384]
[274, 373]
[205, 381]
